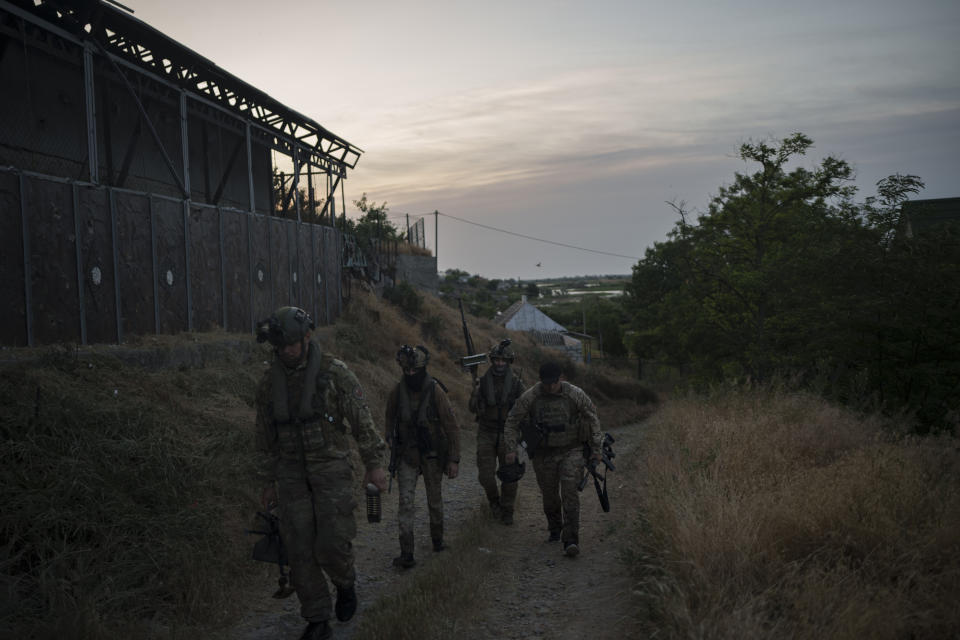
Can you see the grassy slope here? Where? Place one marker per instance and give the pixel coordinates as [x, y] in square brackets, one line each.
[126, 488]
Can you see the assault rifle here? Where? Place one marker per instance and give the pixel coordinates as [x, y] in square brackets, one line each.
[473, 360]
[270, 548]
[606, 457]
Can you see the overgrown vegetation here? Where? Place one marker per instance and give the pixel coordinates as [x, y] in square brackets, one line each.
[126, 488]
[785, 275]
[776, 515]
[119, 493]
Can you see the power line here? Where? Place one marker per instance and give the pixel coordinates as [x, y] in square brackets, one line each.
[520, 235]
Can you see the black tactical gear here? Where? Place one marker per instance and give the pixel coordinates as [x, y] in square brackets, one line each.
[511, 472]
[286, 326]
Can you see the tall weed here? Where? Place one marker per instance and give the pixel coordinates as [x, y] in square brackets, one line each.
[770, 514]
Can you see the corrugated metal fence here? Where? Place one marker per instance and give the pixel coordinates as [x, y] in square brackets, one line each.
[92, 264]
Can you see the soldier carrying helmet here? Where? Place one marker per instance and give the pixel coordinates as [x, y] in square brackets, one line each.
[309, 407]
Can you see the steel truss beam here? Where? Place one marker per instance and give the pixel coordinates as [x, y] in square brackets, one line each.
[128, 41]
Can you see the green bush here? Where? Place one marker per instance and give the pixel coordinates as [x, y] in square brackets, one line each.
[404, 296]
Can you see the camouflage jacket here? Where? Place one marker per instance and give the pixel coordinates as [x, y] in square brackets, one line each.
[493, 396]
[337, 412]
[582, 410]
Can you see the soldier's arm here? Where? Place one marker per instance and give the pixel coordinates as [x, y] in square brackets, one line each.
[353, 406]
[511, 427]
[448, 422]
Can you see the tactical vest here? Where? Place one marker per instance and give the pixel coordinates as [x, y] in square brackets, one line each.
[301, 433]
[425, 416]
[490, 406]
[553, 415]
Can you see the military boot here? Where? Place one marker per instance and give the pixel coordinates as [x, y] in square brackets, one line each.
[317, 631]
[436, 534]
[346, 603]
[495, 509]
[405, 559]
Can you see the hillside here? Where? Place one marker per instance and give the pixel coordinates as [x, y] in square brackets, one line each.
[748, 512]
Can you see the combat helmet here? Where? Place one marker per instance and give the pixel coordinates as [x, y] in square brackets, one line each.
[503, 350]
[413, 357]
[285, 326]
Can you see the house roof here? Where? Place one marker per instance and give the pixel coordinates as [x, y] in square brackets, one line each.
[523, 316]
[922, 215]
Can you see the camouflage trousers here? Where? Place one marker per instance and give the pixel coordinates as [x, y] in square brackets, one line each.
[558, 473]
[490, 454]
[318, 526]
[407, 476]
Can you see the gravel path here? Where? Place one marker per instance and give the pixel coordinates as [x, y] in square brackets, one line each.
[535, 592]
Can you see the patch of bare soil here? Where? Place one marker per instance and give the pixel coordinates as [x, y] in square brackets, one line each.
[534, 591]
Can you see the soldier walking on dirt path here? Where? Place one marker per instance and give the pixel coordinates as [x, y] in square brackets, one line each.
[309, 405]
[491, 400]
[565, 423]
[424, 437]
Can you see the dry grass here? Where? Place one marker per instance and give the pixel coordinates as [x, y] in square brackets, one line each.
[126, 473]
[118, 485]
[774, 515]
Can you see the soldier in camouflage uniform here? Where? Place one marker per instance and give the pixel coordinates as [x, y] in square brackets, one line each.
[309, 405]
[566, 427]
[423, 429]
[491, 400]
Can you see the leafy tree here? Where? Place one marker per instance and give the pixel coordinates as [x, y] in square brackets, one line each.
[373, 222]
[784, 273]
[747, 292]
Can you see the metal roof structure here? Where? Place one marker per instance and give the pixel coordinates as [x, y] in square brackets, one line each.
[128, 42]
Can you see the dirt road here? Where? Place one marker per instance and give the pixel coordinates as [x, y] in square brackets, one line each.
[534, 591]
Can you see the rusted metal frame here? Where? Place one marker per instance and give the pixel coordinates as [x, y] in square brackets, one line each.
[326, 276]
[150, 127]
[116, 263]
[295, 185]
[250, 268]
[56, 48]
[223, 272]
[219, 90]
[78, 246]
[27, 267]
[156, 266]
[184, 145]
[332, 189]
[90, 100]
[313, 271]
[128, 156]
[269, 222]
[227, 170]
[185, 150]
[186, 251]
[252, 194]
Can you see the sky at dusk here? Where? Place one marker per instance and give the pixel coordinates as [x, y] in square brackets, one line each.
[576, 122]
